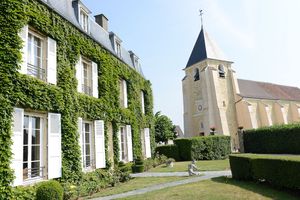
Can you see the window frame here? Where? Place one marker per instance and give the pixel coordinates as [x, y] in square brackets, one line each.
[123, 142]
[221, 70]
[32, 33]
[87, 88]
[84, 19]
[91, 144]
[42, 143]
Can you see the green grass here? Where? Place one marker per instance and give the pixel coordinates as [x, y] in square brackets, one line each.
[203, 165]
[219, 189]
[133, 184]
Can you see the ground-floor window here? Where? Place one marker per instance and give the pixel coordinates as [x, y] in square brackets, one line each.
[32, 146]
[88, 147]
[36, 147]
[92, 143]
[125, 144]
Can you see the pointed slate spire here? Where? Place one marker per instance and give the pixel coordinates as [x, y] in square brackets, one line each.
[205, 48]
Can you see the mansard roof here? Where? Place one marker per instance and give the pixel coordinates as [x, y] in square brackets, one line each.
[205, 48]
[68, 10]
[262, 90]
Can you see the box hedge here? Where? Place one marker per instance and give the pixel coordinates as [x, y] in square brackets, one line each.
[204, 148]
[171, 151]
[282, 171]
[282, 139]
[199, 148]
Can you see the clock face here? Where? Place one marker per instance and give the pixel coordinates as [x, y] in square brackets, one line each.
[200, 108]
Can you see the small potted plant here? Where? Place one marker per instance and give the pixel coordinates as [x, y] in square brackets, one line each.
[170, 162]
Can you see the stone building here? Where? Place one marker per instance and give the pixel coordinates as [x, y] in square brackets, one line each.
[216, 101]
[77, 99]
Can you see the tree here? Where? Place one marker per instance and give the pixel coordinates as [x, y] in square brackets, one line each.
[164, 128]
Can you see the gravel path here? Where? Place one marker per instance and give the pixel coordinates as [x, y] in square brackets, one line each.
[205, 175]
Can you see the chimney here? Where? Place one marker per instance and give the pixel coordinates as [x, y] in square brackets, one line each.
[102, 21]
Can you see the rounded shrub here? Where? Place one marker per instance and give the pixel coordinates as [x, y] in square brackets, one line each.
[137, 168]
[49, 190]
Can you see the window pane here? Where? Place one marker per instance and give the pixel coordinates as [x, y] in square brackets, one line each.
[35, 169]
[25, 138]
[36, 123]
[26, 121]
[25, 171]
[35, 137]
[87, 149]
[87, 161]
[35, 153]
[25, 153]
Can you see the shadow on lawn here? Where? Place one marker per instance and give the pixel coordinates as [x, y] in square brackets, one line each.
[264, 189]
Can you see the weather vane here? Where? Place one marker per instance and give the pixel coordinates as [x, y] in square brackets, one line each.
[201, 13]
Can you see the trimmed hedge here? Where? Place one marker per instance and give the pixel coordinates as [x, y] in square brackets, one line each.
[280, 171]
[282, 139]
[171, 151]
[204, 148]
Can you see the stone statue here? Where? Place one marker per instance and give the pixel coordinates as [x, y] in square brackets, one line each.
[193, 169]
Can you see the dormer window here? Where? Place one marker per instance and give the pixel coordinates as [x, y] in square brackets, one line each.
[84, 19]
[196, 74]
[118, 49]
[221, 71]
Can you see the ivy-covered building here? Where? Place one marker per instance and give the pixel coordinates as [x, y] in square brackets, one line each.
[72, 98]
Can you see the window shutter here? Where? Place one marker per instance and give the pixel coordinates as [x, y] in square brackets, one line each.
[79, 74]
[17, 146]
[125, 94]
[129, 143]
[80, 139]
[54, 146]
[143, 102]
[99, 144]
[51, 61]
[24, 36]
[120, 152]
[95, 79]
[147, 143]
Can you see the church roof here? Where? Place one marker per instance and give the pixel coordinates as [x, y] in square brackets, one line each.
[262, 90]
[204, 48]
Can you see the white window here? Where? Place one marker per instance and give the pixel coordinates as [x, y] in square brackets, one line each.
[123, 93]
[87, 77]
[118, 49]
[143, 101]
[92, 144]
[35, 145]
[38, 55]
[84, 20]
[125, 144]
[32, 147]
[87, 144]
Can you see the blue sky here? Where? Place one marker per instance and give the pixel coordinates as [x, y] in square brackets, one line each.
[261, 37]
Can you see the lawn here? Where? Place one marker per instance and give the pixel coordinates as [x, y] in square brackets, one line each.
[219, 189]
[203, 165]
[133, 184]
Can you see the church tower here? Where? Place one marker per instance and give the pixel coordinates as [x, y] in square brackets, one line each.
[209, 92]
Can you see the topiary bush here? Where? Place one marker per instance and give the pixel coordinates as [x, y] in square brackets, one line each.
[49, 190]
[240, 167]
[203, 148]
[283, 139]
[138, 166]
[171, 151]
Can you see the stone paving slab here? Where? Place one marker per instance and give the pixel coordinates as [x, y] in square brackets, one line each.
[204, 176]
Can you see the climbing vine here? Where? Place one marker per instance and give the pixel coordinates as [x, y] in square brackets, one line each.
[19, 90]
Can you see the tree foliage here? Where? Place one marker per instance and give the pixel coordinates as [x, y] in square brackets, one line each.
[164, 128]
